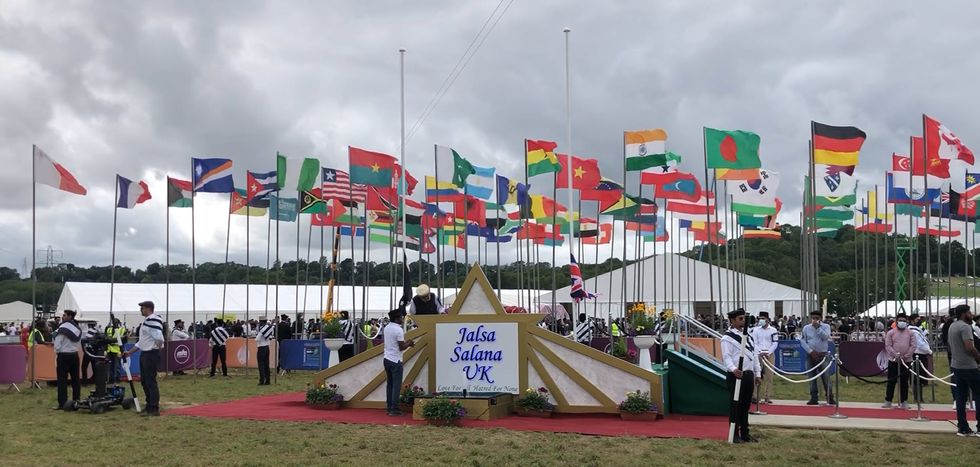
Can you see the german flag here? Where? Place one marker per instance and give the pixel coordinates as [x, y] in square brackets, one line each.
[836, 145]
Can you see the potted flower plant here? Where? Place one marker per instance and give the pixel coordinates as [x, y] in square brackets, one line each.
[534, 403]
[406, 399]
[622, 351]
[644, 337]
[638, 406]
[332, 333]
[442, 411]
[324, 396]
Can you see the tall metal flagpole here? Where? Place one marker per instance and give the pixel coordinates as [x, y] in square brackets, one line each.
[401, 179]
[194, 272]
[34, 383]
[166, 270]
[224, 274]
[112, 271]
[568, 135]
[707, 208]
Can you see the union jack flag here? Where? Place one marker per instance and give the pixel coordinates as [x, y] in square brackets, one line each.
[578, 291]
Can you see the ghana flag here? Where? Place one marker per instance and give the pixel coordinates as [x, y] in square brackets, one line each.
[731, 149]
[836, 145]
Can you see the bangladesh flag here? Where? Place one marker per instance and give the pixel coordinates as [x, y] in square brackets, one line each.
[371, 168]
[731, 149]
[178, 193]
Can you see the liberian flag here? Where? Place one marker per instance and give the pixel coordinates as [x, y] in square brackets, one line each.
[578, 291]
[129, 193]
[50, 173]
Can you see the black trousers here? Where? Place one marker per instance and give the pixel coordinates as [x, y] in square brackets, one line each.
[149, 364]
[86, 363]
[67, 366]
[393, 384]
[219, 351]
[346, 351]
[739, 411]
[917, 385]
[262, 355]
[897, 374]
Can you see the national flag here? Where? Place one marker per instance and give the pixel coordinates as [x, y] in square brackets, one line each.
[410, 181]
[336, 184]
[130, 194]
[731, 149]
[178, 193]
[440, 191]
[585, 227]
[371, 168]
[541, 157]
[673, 185]
[260, 184]
[903, 195]
[511, 192]
[838, 213]
[834, 187]
[737, 174]
[283, 209]
[755, 196]
[837, 145]
[873, 212]
[378, 201]
[972, 191]
[766, 234]
[694, 211]
[298, 174]
[909, 210]
[541, 206]
[748, 220]
[604, 237]
[460, 169]
[606, 192]
[212, 175]
[50, 173]
[471, 209]
[585, 173]
[941, 143]
[935, 166]
[578, 291]
[351, 231]
[481, 182]
[877, 227]
[901, 163]
[311, 202]
[939, 232]
[645, 149]
[240, 205]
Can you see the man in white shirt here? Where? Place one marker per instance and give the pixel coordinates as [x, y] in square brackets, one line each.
[766, 338]
[67, 344]
[742, 362]
[923, 352]
[583, 331]
[395, 344]
[267, 332]
[150, 342]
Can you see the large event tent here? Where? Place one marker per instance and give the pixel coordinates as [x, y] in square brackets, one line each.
[682, 284]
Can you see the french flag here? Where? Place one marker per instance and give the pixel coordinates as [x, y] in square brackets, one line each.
[129, 193]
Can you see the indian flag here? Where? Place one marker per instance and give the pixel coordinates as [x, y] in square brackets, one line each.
[645, 149]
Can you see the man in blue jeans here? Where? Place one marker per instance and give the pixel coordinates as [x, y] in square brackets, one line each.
[394, 346]
[815, 341]
[965, 363]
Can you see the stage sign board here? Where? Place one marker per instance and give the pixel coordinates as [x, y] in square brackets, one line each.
[477, 357]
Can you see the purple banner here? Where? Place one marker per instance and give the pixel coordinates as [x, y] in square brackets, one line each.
[866, 359]
[180, 355]
[13, 364]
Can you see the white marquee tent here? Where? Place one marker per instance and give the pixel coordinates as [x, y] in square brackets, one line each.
[16, 312]
[937, 306]
[686, 287]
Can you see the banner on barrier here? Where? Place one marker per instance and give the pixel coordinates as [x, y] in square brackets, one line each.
[185, 355]
[303, 354]
[790, 357]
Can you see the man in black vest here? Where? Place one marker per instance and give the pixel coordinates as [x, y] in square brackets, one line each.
[742, 361]
[425, 302]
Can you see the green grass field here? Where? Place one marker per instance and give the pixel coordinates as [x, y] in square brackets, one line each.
[34, 434]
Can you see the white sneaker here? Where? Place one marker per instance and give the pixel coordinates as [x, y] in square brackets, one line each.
[886, 405]
[904, 405]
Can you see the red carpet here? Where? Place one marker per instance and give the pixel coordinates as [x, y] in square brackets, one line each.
[290, 407]
[825, 410]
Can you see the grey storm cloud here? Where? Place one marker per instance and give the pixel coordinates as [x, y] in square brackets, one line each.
[138, 88]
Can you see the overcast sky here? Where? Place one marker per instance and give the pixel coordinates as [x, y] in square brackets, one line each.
[138, 88]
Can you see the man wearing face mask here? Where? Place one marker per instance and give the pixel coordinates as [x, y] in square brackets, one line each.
[900, 347]
[815, 341]
[766, 338]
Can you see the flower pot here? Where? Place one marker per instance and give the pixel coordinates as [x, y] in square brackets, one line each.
[643, 344]
[334, 345]
[326, 405]
[406, 408]
[442, 422]
[526, 412]
[639, 417]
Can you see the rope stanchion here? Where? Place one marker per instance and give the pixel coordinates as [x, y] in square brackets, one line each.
[918, 394]
[795, 373]
[768, 365]
[860, 378]
[941, 380]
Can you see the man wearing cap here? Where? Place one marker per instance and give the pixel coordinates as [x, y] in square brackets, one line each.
[67, 344]
[219, 336]
[265, 335]
[347, 325]
[150, 342]
[425, 302]
[900, 348]
[766, 338]
[815, 341]
[965, 363]
[742, 360]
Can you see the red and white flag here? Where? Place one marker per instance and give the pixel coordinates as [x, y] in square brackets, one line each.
[943, 144]
[50, 173]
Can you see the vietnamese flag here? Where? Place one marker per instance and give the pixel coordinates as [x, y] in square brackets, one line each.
[585, 173]
[371, 168]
